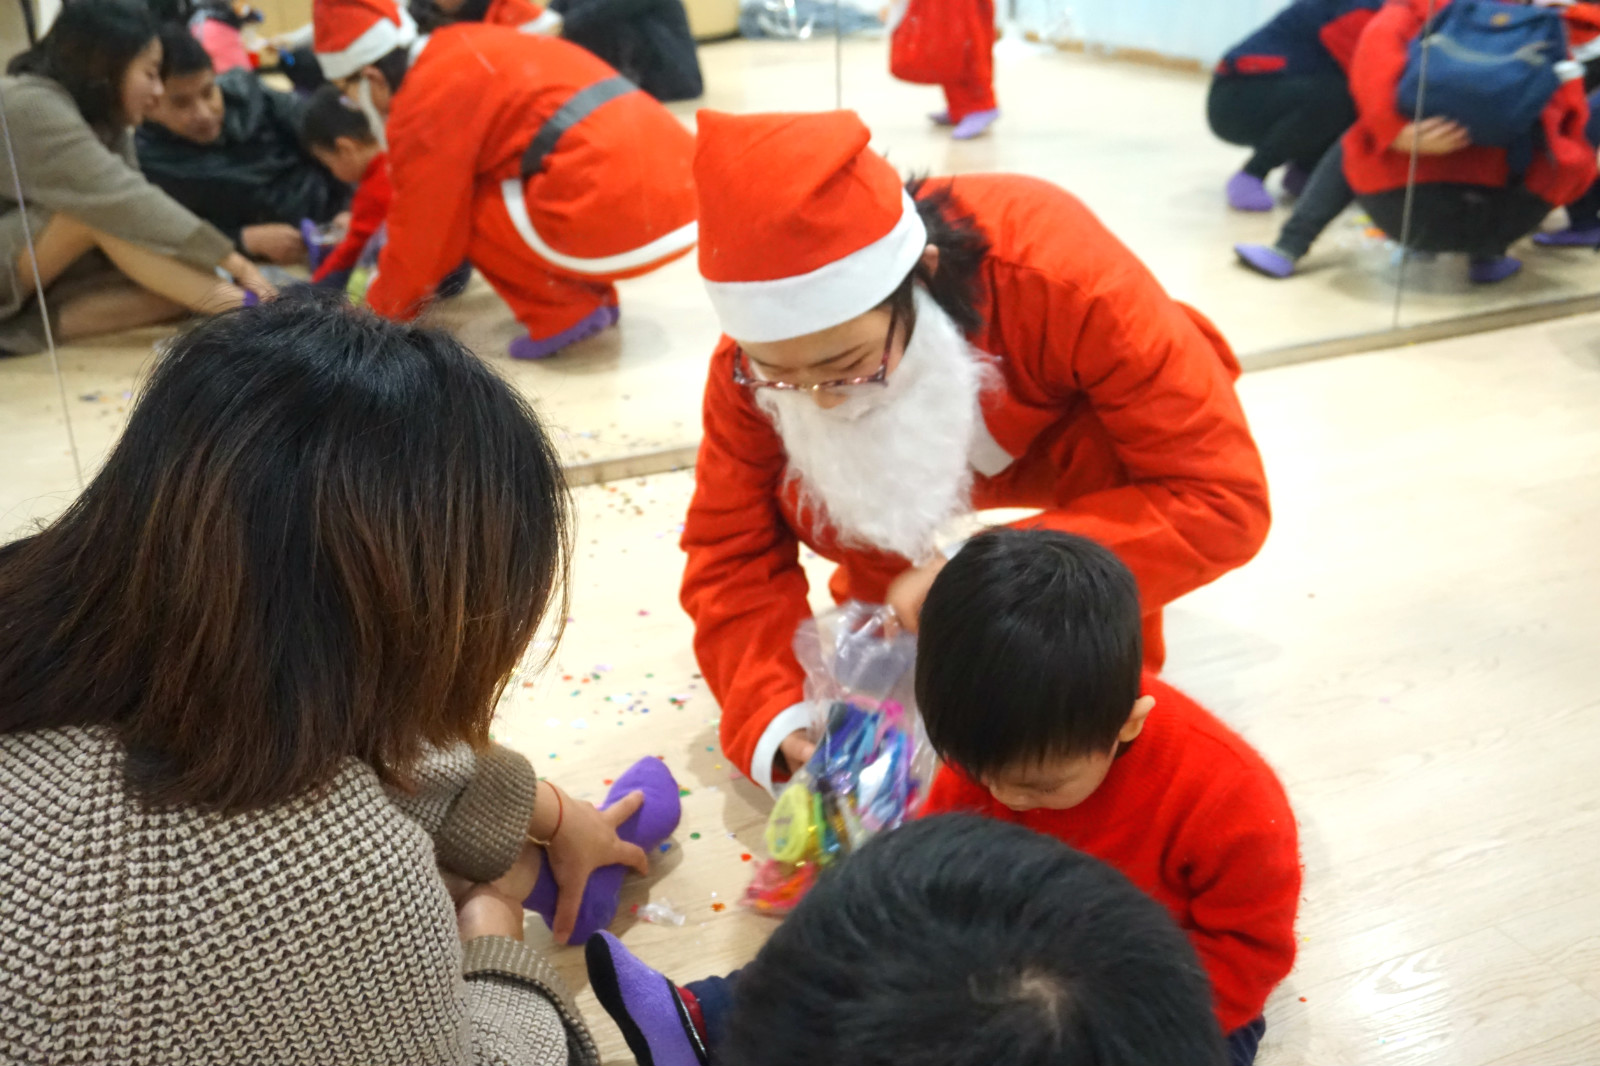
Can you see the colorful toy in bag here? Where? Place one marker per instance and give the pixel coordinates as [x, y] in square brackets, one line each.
[872, 765]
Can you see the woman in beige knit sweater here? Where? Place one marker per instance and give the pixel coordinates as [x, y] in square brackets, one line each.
[113, 251]
[246, 684]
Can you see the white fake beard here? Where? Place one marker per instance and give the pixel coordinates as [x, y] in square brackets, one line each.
[369, 109]
[890, 466]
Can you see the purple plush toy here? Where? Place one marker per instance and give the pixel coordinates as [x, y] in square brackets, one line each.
[651, 824]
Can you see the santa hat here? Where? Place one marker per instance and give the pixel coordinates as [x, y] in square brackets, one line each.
[350, 34]
[802, 226]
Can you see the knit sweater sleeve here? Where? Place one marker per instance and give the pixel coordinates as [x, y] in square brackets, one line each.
[66, 169]
[476, 805]
[506, 1029]
[1242, 869]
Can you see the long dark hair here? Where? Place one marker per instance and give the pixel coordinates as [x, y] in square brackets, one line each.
[87, 51]
[962, 245]
[322, 536]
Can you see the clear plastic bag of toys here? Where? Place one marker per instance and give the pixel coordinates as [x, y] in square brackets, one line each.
[873, 763]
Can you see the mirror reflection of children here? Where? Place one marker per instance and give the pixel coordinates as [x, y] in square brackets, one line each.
[522, 154]
[953, 941]
[1031, 686]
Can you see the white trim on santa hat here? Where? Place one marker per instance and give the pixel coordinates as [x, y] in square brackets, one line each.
[379, 39]
[836, 292]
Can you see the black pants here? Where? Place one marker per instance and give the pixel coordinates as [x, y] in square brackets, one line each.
[1285, 118]
[1478, 220]
[715, 997]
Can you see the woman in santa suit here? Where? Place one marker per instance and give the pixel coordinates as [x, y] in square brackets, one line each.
[524, 154]
[897, 357]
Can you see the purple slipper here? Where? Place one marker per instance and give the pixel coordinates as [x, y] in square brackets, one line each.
[1247, 193]
[600, 319]
[1264, 259]
[1294, 179]
[941, 118]
[1489, 271]
[644, 1004]
[1569, 238]
[250, 299]
[974, 125]
[648, 827]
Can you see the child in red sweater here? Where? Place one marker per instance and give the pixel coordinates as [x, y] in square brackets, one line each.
[338, 134]
[1030, 684]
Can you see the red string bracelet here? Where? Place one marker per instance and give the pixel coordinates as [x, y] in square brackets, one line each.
[561, 816]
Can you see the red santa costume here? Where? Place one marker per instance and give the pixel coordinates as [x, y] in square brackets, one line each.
[949, 43]
[524, 154]
[1088, 392]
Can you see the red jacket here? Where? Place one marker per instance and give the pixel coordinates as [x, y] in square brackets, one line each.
[469, 108]
[368, 208]
[513, 13]
[1118, 418]
[1559, 173]
[1192, 815]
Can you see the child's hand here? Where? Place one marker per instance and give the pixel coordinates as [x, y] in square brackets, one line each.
[586, 841]
[797, 749]
[908, 591]
[1432, 136]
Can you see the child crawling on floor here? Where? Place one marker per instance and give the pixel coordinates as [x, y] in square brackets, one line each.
[1030, 685]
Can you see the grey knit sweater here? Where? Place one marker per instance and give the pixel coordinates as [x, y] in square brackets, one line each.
[317, 932]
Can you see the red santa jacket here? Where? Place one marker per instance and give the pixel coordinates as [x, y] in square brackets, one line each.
[513, 13]
[1118, 418]
[368, 208]
[469, 109]
[1196, 818]
[1561, 171]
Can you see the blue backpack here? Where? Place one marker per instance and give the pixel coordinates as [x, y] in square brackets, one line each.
[1492, 67]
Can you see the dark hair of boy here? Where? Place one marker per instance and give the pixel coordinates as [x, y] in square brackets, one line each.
[961, 941]
[181, 54]
[87, 51]
[1029, 647]
[322, 536]
[329, 116]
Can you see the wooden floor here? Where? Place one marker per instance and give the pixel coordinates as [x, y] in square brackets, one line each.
[1414, 650]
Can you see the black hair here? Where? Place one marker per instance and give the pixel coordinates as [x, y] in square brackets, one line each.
[962, 245]
[393, 67]
[329, 116]
[322, 536]
[962, 941]
[181, 54]
[87, 51]
[429, 16]
[1029, 647]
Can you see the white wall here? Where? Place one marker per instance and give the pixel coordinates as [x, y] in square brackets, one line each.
[1187, 29]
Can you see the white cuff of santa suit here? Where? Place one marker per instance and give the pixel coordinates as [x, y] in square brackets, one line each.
[799, 716]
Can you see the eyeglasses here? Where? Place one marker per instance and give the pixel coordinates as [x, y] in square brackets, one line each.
[879, 377]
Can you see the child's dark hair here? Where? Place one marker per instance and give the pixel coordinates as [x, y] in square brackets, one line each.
[329, 116]
[87, 51]
[181, 54]
[961, 941]
[953, 284]
[1029, 647]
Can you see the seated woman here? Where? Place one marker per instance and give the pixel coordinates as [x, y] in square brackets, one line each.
[246, 687]
[70, 104]
[1470, 198]
[1282, 93]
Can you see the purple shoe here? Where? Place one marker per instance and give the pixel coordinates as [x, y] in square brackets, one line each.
[599, 320]
[648, 827]
[1264, 259]
[974, 125]
[1569, 238]
[250, 299]
[1294, 179]
[1247, 193]
[1495, 269]
[644, 1004]
[941, 118]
